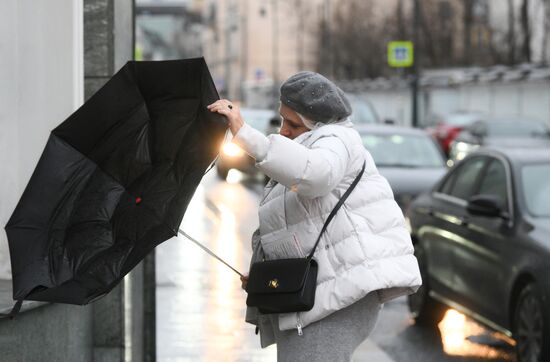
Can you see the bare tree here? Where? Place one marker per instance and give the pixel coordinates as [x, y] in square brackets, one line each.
[356, 46]
[401, 27]
[546, 12]
[439, 32]
[526, 30]
[511, 32]
[450, 33]
[428, 46]
[468, 19]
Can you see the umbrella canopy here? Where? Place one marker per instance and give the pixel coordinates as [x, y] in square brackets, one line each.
[114, 181]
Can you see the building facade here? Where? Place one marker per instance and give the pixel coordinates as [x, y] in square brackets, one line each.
[251, 46]
[42, 76]
[55, 55]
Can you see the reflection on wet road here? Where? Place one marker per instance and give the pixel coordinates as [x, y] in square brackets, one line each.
[200, 305]
[457, 338]
[462, 337]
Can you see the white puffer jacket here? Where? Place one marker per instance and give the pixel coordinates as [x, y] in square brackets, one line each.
[366, 247]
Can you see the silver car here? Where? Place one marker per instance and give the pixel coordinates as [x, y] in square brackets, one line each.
[408, 158]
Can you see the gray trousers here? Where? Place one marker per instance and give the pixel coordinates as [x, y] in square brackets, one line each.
[330, 339]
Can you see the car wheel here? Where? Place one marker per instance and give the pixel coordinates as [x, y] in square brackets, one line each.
[222, 172]
[532, 326]
[425, 310]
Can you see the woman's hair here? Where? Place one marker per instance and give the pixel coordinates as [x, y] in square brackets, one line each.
[308, 123]
[312, 124]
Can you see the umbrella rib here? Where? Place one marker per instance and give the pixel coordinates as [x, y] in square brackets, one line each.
[212, 165]
[208, 251]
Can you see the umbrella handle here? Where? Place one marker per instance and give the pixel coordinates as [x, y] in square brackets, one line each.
[208, 251]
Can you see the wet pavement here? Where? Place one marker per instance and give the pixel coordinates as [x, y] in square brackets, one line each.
[200, 305]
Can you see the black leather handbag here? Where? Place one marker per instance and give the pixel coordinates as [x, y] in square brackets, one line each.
[288, 285]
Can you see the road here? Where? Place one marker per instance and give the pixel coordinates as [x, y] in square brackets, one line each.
[200, 305]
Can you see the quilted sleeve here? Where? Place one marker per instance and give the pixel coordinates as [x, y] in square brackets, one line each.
[311, 172]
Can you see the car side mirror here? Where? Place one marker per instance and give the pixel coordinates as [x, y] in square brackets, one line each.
[485, 205]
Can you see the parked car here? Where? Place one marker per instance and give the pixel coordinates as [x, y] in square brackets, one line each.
[408, 158]
[507, 132]
[363, 110]
[482, 240]
[232, 156]
[445, 128]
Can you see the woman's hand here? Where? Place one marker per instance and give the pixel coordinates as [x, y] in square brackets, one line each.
[230, 111]
[244, 281]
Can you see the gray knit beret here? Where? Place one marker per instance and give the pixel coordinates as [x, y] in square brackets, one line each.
[315, 97]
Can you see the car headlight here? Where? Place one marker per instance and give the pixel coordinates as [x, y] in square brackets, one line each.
[232, 150]
[461, 150]
[463, 146]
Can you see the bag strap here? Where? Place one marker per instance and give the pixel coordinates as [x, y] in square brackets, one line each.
[338, 205]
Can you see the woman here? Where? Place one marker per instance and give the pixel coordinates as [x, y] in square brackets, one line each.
[366, 256]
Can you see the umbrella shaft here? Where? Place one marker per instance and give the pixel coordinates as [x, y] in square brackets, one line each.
[208, 251]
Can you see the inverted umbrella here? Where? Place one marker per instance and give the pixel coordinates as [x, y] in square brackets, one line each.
[114, 181]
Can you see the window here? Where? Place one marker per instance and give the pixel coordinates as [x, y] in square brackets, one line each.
[536, 188]
[402, 150]
[462, 181]
[448, 184]
[494, 182]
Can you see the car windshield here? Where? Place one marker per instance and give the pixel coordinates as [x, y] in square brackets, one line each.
[363, 112]
[402, 150]
[536, 188]
[518, 128]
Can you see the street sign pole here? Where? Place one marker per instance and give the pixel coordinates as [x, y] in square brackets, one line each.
[414, 85]
[414, 88]
[401, 55]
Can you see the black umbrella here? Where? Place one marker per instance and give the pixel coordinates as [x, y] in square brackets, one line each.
[114, 181]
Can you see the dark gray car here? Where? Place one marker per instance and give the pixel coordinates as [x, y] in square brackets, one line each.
[503, 132]
[482, 239]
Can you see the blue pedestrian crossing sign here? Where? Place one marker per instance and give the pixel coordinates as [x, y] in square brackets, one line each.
[400, 54]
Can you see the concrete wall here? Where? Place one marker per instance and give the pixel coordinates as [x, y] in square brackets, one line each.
[43, 47]
[58, 333]
[108, 42]
[530, 99]
[392, 104]
[41, 84]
